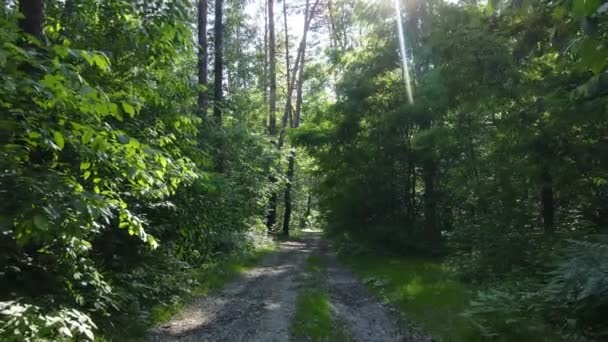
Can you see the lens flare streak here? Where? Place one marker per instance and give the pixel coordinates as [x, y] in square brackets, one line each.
[404, 60]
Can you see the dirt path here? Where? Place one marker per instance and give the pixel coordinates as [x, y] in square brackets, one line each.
[364, 316]
[260, 305]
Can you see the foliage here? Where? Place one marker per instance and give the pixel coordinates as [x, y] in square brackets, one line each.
[422, 288]
[511, 309]
[26, 322]
[109, 194]
[115, 188]
[577, 286]
[498, 162]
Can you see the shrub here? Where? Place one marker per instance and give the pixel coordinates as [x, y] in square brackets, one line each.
[577, 288]
[510, 309]
[27, 322]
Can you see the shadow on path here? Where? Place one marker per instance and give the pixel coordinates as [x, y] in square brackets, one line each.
[258, 306]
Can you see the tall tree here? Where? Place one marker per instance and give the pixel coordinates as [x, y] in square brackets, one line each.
[272, 96]
[271, 217]
[291, 84]
[287, 66]
[265, 75]
[33, 17]
[202, 55]
[218, 94]
[296, 121]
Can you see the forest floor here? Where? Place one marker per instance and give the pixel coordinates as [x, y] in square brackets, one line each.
[266, 301]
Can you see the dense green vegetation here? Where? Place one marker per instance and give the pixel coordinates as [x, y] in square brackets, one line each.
[110, 193]
[498, 166]
[428, 294]
[423, 289]
[132, 178]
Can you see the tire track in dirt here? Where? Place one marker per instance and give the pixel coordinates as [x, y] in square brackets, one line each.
[258, 306]
[362, 315]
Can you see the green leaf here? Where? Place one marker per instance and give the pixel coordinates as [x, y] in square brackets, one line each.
[65, 332]
[152, 242]
[87, 136]
[89, 334]
[585, 7]
[58, 139]
[41, 222]
[128, 108]
[85, 165]
[101, 62]
[87, 56]
[594, 55]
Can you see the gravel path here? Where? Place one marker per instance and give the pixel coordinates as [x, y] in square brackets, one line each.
[364, 317]
[260, 305]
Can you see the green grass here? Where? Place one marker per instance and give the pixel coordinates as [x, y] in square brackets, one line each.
[313, 320]
[424, 291]
[210, 277]
[420, 288]
[313, 315]
[314, 264]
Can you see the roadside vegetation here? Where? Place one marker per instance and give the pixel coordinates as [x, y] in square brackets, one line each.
[148, 146]
[186, 285]
[430, 296]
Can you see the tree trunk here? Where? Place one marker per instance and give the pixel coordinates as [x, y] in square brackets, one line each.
[308, 205]
[308, 15]
[414, 209]
[202, 56]
[272, 123]
[69, 11]
[296, 121]
[546, 200]
[271, 217]
[218, 72]
[33, 17]
[287, 112]
[265, 76]
[288, 187]
[430, 203]
[218, 93]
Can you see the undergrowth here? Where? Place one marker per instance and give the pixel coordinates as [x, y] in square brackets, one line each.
[427, 293]
[195, 282]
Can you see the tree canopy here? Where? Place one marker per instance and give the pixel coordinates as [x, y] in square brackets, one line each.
[142, 139]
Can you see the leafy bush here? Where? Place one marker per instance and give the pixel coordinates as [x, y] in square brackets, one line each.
[572, 296]
[102, 158]
[510, 309]
[481, 252]
[577, 289]
[28, 323]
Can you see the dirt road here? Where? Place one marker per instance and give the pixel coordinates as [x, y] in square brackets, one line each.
[260, 305]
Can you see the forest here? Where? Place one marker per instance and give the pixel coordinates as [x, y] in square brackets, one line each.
[449, 158]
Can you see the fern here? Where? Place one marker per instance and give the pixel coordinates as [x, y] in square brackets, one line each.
[578, 285]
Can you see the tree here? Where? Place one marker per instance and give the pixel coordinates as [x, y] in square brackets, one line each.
[218, 92]
[308, 14]
[202, 56]
[271, 217]
[33, 17]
